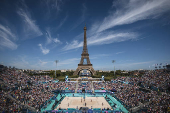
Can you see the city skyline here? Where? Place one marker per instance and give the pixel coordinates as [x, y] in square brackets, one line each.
[134, 33]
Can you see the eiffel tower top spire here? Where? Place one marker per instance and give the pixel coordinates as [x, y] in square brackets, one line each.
[85, 42]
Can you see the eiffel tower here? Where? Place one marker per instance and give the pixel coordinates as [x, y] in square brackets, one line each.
[85, 61]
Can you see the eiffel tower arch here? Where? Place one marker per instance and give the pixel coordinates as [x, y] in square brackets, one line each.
[85, 61]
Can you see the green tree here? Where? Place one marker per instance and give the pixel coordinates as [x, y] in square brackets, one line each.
[118, 72]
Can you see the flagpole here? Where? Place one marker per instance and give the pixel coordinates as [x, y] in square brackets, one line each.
[113, 61]
[46, 79]
[56, 61]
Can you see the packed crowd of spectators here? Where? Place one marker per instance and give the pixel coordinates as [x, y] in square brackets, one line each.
[70, 86]
[129, 94]
[149, 89]
[7, 104]
[157, 82]
[26, 89]
[98, 85]
[86, 85]
[159, 104]
[153, 79]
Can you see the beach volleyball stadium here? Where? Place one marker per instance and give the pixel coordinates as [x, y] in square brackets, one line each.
[24, 93]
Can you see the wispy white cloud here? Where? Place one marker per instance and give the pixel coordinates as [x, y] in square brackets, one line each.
[31, 29]
[7, 38]
[68, 61]
[65, 52]
[99, 55]
[127, 12]
[53, 5]
[102, 55]
[7, 31]
[137, 63]
[56, 40]
[120, 52]
[42, 63]
[43, 50]
[102, 38]
[134, 10]
[62, 22]
[153, 65]
[73, 45]
[23, 59]
[25, 62]
[51, 8]
[20, 62]
[129, 60]
[107, 38]
[50, 39]
[81, 19]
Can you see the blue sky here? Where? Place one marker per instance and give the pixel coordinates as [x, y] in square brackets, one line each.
[134, 33]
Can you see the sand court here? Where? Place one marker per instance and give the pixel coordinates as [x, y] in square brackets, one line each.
[74, 102]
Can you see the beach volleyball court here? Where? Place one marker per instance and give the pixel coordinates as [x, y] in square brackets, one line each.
[74, 102]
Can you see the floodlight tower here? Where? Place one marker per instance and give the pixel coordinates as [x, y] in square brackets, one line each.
[56, 61]
[113, 61]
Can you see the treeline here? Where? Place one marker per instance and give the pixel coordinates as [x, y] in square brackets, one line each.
[110, 75]
[59, 75]
[107, 75]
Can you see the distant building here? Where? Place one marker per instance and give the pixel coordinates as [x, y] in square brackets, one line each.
[69, 70]
[125, 72]
[168, 67]
[100, 71]
[1, 67]
[63, 70]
